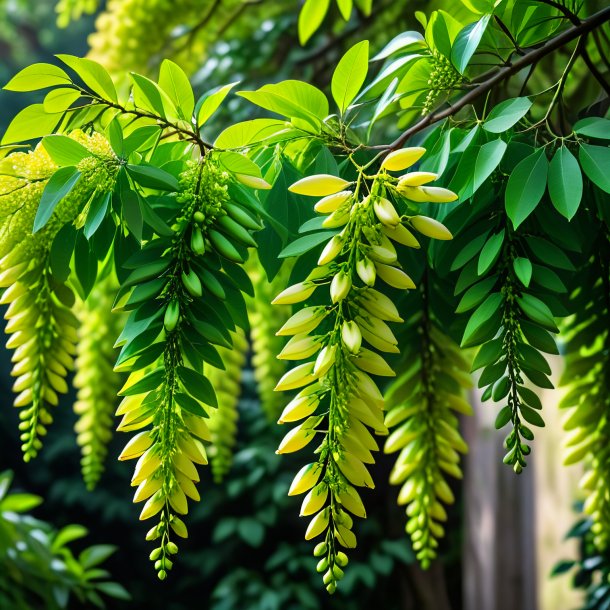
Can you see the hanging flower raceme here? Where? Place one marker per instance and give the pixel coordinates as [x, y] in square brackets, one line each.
[338, 403]
[182, 302]
[95, 380]
[43, 329]
[223, 420]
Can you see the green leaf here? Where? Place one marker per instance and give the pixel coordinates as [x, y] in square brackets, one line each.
[198, 386]
[476, 294]
[529, 397]
[548, 253]
[488, 159]
[304, 244]
[176, 84]
[114, 590]
[58, 186]
[61, 252]
[505, 115]
[345, 8]
[481, 315]
[94, 555]
[97, 213]
[251, 531]
[593, 127]
[537, 311]
[523, 270]
[58, 100]
[311, 17]
[209, 103]
[150, 381]
[190, 404]
[595, 161]
[402, 42]
[32, 122]
[565, 182]
[504, 416]
[239, 164]
[64, 150]
[490, 253]
[20, 503]
[149, 96]
[293, 99]
[68, 534]
[526, 186]
[153, 177]
[467, 42]
[350, 74]
[539, 338]
[531, 416]
[534, 359]
[93, 75]
[255, 131]
[38, 76]
[488, 354]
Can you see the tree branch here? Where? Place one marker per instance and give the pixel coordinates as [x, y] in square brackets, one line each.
[531, 57]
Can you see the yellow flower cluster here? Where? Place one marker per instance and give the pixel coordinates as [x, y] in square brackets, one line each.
[338, 402]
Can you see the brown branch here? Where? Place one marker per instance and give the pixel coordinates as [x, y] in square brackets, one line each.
[500, 75]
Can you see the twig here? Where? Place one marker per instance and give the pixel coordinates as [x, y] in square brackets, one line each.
[584, 27]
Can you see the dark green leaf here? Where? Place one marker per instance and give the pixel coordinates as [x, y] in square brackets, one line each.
[58, 187]
[190, 404]
[537, 311]
[153, 177]
[595, 161]
[97, 211]
[490, 253]
[61, 252]
[476, 294]
[565, 182]
[523, 270]
[198, 386]
[304, 244]
[150, 381]
[593, 127]
[506, 114]
[504, 416]
[481, 315]
[531, 416]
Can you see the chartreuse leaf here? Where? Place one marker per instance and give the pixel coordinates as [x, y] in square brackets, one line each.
[32, 122]
[526, 186]
[505, 115]
[350, 74]
[467, 42]
[58, 186]
[38, 76]
[239, 164]
[209, 102]
[595, 162]
[593, 127]
[64, 150]
[93, 75]
[345, 8]
[311, 17]
[149, 96]
[523, 270]
[176, 84]
[565, 182]
[60, 99]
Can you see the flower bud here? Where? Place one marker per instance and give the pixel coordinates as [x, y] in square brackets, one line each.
[430, 227]
[319, 185]
[294, 294]
[340, 286]
[296, 439]
[383, 254]
[423, 194]
[325, 359]
[303, 321]
[296, 378]
[373, 363]
[337, 219]
[299, 407]
[394, 277]
[416, 179]
[380, 305]
[385, 212]
[331, 250]
[401, 235]
[332, 202]
[253, 181]
[402, 159]
[299, 347]
[351, 336]
[377, 327]
[305, 479]
[365, 268]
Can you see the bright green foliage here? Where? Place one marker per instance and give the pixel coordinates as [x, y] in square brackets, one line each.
[223, 420]
[424, 404]
[95, 380]
[37, 564]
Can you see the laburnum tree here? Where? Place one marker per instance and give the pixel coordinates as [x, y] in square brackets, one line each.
[387, 277]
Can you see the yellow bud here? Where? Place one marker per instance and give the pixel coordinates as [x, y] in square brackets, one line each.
[332, 202]
[373, 363]
[325, 359]
[424, 194]
[12, 274]
[305, 479]
[394, 277]
[319, 185]
[294, 294]
[331, 250]
[337, 219]
[303, 321]
[368, 389]
[430, 227]
[398, 160]
[296, 439]
[296, 378]
[365, 268]
[379, 343]
[380, 305]
[385, 212]
[147, 488]
[340, 286]
[416, 179]
[136, 446]
[377, 327]
[153, 505]
[401, 235]
[317, 525]
[314, 500]
[253, 181]
[299, 408]
[383, 254]
[355, 471]
[299, 347]
[351, 336]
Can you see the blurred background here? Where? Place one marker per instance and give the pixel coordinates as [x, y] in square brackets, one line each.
[246, 548]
